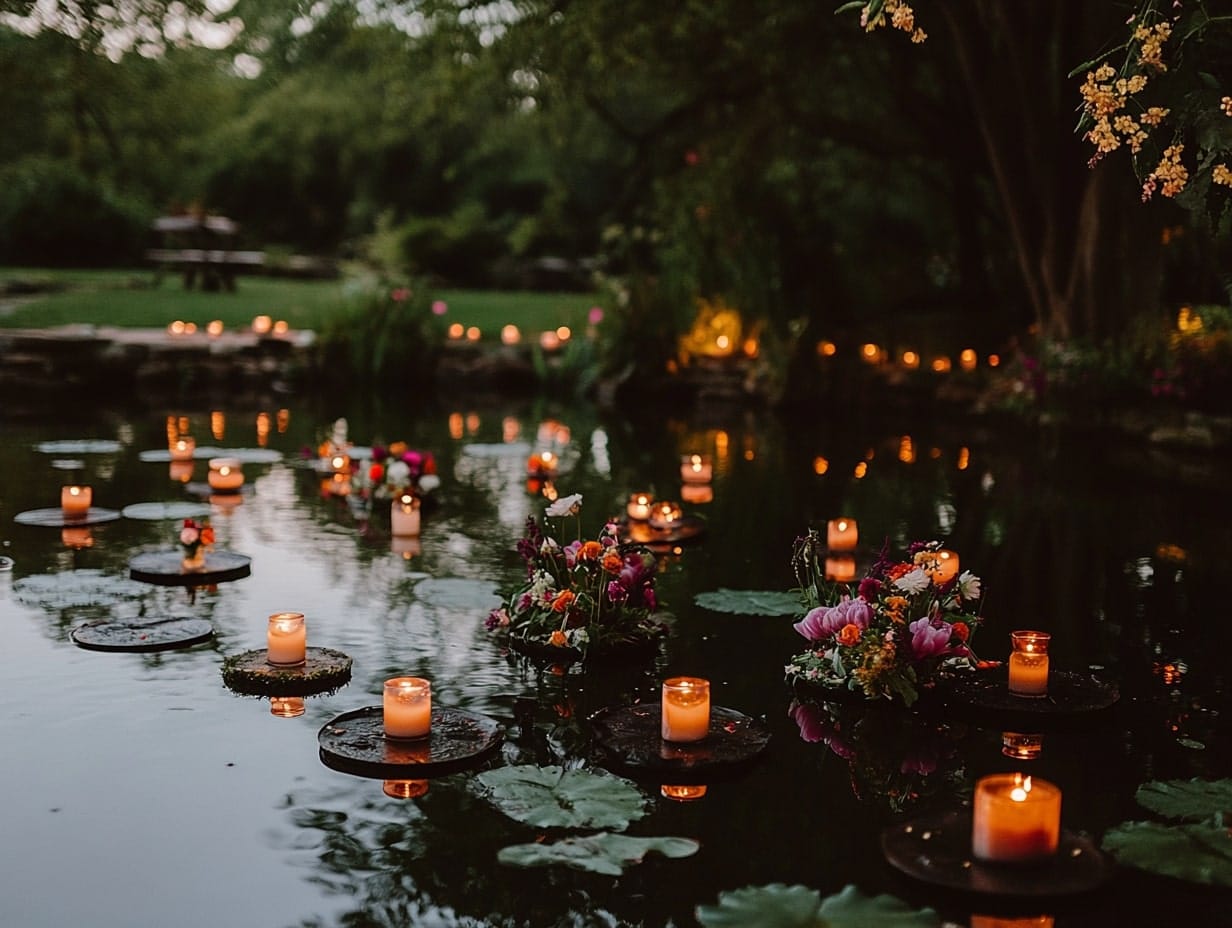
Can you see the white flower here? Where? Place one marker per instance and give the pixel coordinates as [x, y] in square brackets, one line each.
[189, 535]
[541, 583]
[399, 472]
[429, 482]
[968, 585]
[549, 546]
[915, 582]
[566, 505]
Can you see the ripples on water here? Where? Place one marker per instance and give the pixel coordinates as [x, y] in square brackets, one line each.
[141, 791]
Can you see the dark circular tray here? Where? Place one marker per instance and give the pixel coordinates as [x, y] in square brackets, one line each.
[631, 649]
[641, 533]
[1072, 699]
[629, 739]
[181, 509]
[161, 635]
[355, 743]
[164, 568]
[55, 518]
[323, 670]
[936, 849]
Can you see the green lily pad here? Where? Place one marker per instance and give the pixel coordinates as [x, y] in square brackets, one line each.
[605, 852]
[750, 602]
[76, 588]
[80, 446]
[781, 906]
[176, 509]
[1197, 853]
[1187, 800]
[552, 797]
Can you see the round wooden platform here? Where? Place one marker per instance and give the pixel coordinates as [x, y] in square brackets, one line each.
[984, 696]
[55, 518]
[323, 671]
[355, 743]
[161, 635]
[165, 568]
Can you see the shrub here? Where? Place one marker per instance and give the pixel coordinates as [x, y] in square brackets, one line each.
[386, 335]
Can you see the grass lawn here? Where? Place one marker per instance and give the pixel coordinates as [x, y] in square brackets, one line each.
[134, 299]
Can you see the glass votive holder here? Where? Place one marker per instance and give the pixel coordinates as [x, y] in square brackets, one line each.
[1028, 663]
[685, 713]
[665, 515]
[638, 508]
[696, 468]
[286, 707]
[75, 501]
[286, 640]
[406, 710]
[682, 793]
[404, 789]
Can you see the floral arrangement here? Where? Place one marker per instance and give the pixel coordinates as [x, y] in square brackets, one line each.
[194, 534]
[588, 596]
[895, 635]
[395, 470]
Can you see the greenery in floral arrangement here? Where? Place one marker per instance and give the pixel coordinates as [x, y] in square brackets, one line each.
[588, 596]
[895, 635]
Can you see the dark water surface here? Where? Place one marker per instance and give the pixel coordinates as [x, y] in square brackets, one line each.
[139, 791]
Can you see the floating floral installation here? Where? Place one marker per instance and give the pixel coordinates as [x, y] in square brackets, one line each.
[587, 596]
[902, 628]
[395, 470]
[194, 534]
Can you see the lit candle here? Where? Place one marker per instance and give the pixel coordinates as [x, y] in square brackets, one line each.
[1029, 663]
[942, 566]
[1015, 818]
[182, 449]
[75, 501]
[339, 463]
[287, 639]
[697, 494]
[1021, 745]
[842, 534]
[639, 507]
[681, 793]
[286, 707]
[696, 468]
[404, 789]
[686, 709]
[1023, 921]
[262, 324]
[225, 475]
[841, 569]
[404, 516]
[407, 707]
[665, 515]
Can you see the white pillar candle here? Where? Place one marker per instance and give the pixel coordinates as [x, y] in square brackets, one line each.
[842, 534]
[287, 639]
[1015, 818]
[182, 449]
[638, 508]
[75, 501]
[1028, 664]
[225, 475]
[696, 468]
[686, 709]
[407, 707]
[404, 516]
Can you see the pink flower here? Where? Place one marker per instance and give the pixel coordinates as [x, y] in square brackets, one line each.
[929, 640]
[189, 535]
[439, 307]
[813, 727]
[595, 316]
[825, 621]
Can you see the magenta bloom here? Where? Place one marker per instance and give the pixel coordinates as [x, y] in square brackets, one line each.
[869, 588]
[813, 726]
[616, 593]
[595, 316]
[439, 307]
[825, 621]
[929, 640]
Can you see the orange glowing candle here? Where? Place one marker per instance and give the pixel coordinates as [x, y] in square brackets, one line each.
[1015, 818]
[286, 640]
[686, 709]
[1028, 664]
[75, 501]
[842, 534]
[407, 707]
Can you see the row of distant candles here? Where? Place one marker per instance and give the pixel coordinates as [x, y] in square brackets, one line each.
[261, 325]
[872, 353]
[510, 334]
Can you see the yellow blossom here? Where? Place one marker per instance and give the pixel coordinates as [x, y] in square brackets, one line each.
[1226, 105]
[1154, 115]
[1221, 175]
[919, 36]
[1170, 174]
[1152, 39]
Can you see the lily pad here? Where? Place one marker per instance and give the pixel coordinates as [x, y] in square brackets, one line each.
[204, 452]
[605, 852]
[73, 588]
[552, 797]
[1187, 800]
[80, 446]
[68, 464]
[513, 449]
[781, 906]
[178, 509]
[1197, 853]
[750, 602]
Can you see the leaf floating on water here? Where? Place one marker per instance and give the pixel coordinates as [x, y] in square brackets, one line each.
[1186, 799]
[76, 588]
[552, 797]
[750, 602]
[605, 853]
[1196, 853]
[80, 446]
[781, 906]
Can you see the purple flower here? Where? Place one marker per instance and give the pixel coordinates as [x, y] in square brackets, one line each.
[616, 592]
[571, 552]
[929, 640]
[595, 316]
[497, 618]
[825, 621]
[869, 588]
[814, 726]
[379, 453]
[648, 597]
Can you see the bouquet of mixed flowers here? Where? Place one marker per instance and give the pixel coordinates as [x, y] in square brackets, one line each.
[195, 534]
[586, 596]
[395, 470]
[902, 628]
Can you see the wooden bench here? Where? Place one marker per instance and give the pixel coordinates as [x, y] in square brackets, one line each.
[216, 268]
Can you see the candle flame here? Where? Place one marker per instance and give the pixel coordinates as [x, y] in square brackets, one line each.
[1021, 789]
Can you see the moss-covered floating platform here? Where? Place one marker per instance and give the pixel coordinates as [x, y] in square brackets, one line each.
[324, 671]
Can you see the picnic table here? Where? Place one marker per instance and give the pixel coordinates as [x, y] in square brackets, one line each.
[201, 248]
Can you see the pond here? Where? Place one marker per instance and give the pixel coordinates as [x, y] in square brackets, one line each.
[142, 791]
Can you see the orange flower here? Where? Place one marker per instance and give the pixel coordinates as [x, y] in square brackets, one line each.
[557, 638]
[562, 600]
[849, 635]
[894, 606]
[961, 631]
[207, 535]
[899, 570]
[613, 562]
[589, 551]
[397, 449]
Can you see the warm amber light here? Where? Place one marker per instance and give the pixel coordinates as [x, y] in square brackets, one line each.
[564, 333]
[472, 334]
[941, 365]
[967, 359]
[549, 341]
[218, 425]
[820, 465]
[722, 343]
[456, 425]
[994, 360]
[870, 351]
[964, 458]
[281, 327]
[510, 335]
[214, 328]
[457, 330]
[404, 789]
[826, 349]
[682, 793]
[176, 328]
[262, 324]
[190, 328]
[906, 450]
[861, 470]
[911, 360]
[1021, 746]
[511, 428]
[284, 420]
[472, 423]
[286, 707]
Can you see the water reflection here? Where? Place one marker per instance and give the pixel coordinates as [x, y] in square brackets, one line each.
[1123, 564]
